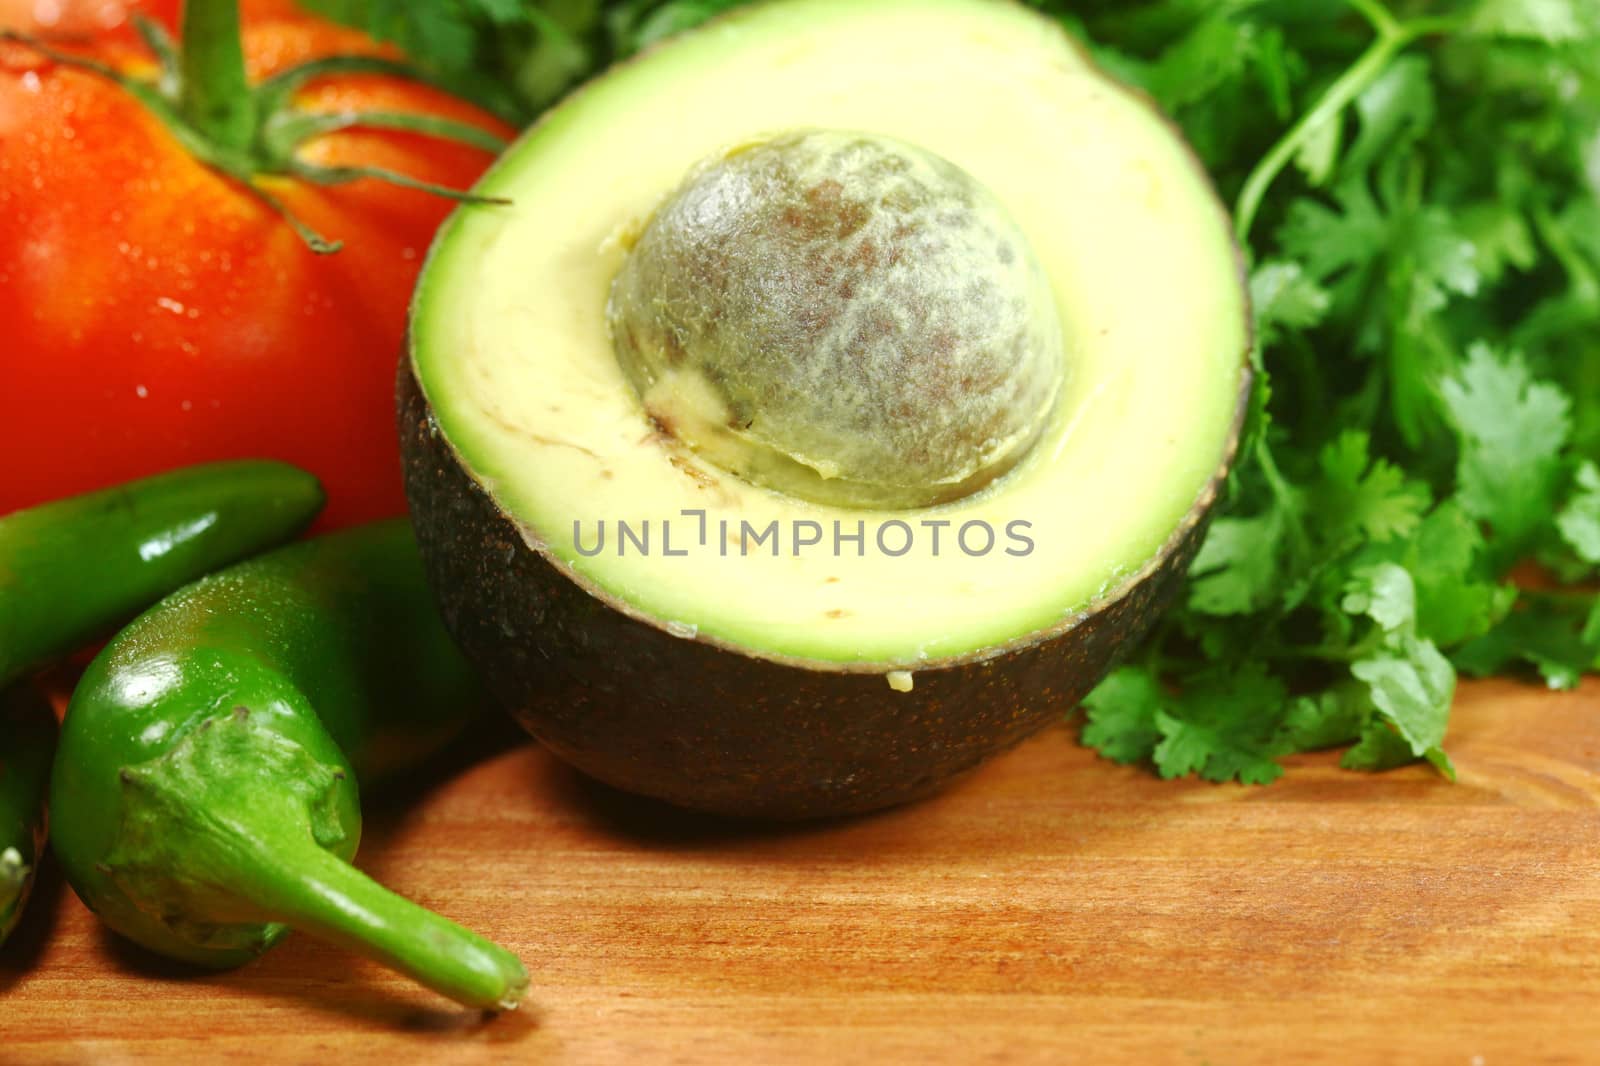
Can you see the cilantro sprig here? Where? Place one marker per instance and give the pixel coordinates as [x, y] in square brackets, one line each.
[1416, 186]
[1418, 202]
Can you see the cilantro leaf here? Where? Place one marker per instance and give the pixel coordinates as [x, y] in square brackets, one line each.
[1457, 600]
[669, 18]
[1378, 747]
[1512, 429]
[1206, 58]
[1284, 299]
[1412, 684]
[1332, 717]
[1363, 497]
[1217, 725]
[1329, 242]
[1551, 21]
[1444, 261]
[1222, 726]
[1236, 571]
[1500, 239]
[1579, 521]
[1122, 714]
[1560, 639]
[1396, 109]
[1385, 592]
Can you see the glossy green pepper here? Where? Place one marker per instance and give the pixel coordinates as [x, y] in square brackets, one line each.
[27, 738]
[73, 569]
[204, 796]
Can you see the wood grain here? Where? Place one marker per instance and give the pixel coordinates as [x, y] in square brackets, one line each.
[1051, 908]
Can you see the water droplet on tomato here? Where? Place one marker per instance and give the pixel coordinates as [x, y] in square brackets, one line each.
[140, 391]
[47, 13]
[30, 81]
[167, 304]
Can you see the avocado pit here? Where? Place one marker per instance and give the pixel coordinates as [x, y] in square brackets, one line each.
[842, 317]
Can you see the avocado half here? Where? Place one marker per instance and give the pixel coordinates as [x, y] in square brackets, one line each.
[676, 629]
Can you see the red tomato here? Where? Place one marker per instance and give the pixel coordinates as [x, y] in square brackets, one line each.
[61, 17]
[153, 312]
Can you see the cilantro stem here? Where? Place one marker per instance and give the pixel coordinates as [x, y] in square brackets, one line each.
[1288, 505]
[1393, 37]
[1584, 284]
[1327, 653]
[1383, 23]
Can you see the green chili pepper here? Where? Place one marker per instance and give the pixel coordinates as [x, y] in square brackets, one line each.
[71, 570]
[204, 796]
[27, 737]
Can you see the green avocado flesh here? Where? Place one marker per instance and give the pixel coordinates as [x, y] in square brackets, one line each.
[1067, 488]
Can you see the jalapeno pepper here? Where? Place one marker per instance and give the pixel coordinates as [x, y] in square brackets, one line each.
[73, 569]
[27, 737]
[204, 796]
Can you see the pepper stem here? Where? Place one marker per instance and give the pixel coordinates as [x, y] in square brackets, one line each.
[314, 891]
[214, 91]
[238, 826]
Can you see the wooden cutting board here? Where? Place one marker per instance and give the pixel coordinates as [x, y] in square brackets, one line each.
[1053, 907]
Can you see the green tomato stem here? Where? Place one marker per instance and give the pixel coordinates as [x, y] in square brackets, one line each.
[318, 175]
[204, 97]
[276, 93]
[214, 92]
[159, 41]
[313, 240]
[285, 131]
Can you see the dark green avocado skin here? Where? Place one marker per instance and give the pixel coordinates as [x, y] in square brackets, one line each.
[713, 729]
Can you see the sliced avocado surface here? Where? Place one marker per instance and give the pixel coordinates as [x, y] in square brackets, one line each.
[900, 355]
[511, 344]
